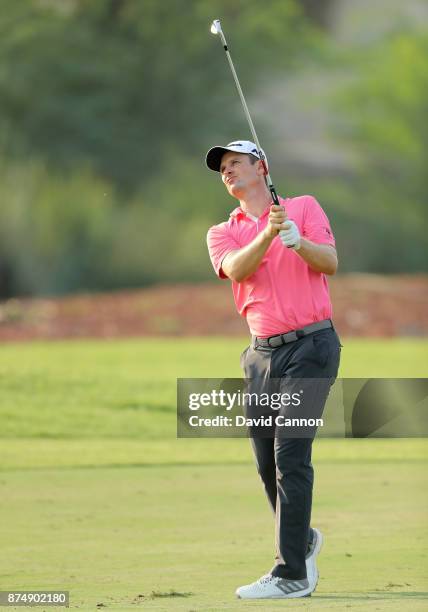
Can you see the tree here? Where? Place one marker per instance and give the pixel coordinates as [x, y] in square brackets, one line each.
[384, 119]
[120, 84]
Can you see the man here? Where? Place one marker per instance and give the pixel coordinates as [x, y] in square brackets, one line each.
[277, 258]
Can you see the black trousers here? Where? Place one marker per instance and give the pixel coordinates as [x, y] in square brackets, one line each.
[284, 463]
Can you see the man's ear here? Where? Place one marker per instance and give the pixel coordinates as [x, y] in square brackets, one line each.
[260, 168]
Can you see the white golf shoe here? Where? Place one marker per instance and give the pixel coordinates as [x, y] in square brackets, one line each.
[273, 587]
[311, 558]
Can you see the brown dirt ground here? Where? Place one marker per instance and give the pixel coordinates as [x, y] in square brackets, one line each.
[364, 305]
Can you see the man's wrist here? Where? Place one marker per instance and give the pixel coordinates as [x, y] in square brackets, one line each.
[267, 237]
[302, 245]
[297, 247]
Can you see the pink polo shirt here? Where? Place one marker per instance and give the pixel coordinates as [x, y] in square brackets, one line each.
[284, 293]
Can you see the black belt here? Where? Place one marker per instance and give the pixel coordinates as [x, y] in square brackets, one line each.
[280, 339]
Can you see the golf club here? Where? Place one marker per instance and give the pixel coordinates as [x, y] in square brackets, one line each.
[216, 29]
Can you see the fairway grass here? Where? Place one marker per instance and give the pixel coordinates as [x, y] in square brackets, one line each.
[101, 499]
[127, 389]
[120, 536]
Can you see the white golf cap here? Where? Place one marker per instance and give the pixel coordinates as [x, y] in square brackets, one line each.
[215, 154]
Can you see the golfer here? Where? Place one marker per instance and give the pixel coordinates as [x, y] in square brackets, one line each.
[277, 258]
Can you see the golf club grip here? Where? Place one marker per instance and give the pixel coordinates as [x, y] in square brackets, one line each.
[277, 203]
[274, 195]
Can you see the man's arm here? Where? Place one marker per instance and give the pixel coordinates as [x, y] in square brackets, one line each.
[242, 263]
[239, 265]
[319, 257]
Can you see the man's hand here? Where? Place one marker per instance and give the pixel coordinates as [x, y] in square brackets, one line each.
[290, 235]
[277, 218]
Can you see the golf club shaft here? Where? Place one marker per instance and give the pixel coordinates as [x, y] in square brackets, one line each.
[248, 116]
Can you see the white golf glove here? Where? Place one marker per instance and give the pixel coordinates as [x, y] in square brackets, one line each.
[290, 237]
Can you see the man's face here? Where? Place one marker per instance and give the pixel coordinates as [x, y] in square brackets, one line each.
[239, 174]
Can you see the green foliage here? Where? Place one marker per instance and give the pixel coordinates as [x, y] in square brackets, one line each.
[54, 231]
[118, 83]
[60, 233]
[103, 108]
[107, 109]
[378, 116]
[384, 120]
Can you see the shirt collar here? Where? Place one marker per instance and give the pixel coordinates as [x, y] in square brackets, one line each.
[237, 212]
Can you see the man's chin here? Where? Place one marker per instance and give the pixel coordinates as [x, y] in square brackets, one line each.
[236, 190]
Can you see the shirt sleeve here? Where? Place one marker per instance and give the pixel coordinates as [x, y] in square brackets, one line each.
[220, 243]
[316, 226]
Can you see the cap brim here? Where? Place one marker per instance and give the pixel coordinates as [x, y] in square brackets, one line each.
[213, 159]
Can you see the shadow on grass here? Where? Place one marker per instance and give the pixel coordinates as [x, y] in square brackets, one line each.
[103, 466]
[377, 595]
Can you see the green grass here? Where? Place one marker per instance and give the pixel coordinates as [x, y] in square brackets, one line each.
[116, 535]
[127, 389]
[99, 497]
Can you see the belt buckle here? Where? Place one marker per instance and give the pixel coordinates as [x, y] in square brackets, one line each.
[280, 340]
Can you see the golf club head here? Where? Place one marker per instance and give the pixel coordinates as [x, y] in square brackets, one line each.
[216, 27]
